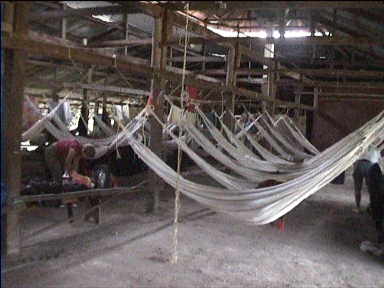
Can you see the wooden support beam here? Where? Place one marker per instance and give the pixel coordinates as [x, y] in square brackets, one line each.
[316, 98]
[162, 29]
[298, 93]
[64, 26]
[107, 10]
[38, 95]
[194, 59]
[126, 32]
[262, 5]
[113, 27]
[71, 67]
[353, 99]
[123, 63]
[315, 72]
[15, 63]
[351, 95]
[120, 90]
[84, 121]
[309, 40]
[196, 28]
[233, 63]
[377, 86]
[121, 43]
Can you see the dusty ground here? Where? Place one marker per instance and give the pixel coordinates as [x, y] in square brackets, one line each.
[320, 247]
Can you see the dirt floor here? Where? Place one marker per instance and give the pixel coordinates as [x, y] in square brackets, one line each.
[319, 248]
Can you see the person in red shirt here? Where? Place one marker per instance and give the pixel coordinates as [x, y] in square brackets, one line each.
[64, 155]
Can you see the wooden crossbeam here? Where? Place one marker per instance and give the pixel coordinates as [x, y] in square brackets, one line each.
[317, 72]
[193, 59]
[122, 90]
[314, 40]
[261, 5]
[123, 64]
[121, 43]
[340, 85]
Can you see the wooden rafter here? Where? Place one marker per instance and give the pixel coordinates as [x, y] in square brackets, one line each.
[107, 10]
[76, 54]
[257, 5]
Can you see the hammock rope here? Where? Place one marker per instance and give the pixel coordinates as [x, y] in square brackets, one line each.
[179, 155]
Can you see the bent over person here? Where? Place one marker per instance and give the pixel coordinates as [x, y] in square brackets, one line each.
[63, 156]
[360, 171]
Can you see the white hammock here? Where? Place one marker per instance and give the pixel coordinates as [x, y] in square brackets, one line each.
[264, 205]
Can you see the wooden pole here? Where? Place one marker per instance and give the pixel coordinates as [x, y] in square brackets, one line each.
[298, 93]
[83, 128]
[15, 63]
[231, 78]
[162, 30]
[64, 25]
[126, 32]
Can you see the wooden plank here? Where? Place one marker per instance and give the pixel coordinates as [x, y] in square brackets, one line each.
[14, 95]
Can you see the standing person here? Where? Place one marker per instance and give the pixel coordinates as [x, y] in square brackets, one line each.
[63, 156]
[361, 167]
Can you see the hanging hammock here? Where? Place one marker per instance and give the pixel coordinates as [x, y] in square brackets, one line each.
[264, 205]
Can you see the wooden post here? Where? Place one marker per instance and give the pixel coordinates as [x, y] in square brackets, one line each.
[162, 32]
[312, 27]
[204, 48]
[268, 87]
[83, 128]
[315, 98]
[233, 62]
[126, 32]
[298, 93]
[15, 63]
[64, 25]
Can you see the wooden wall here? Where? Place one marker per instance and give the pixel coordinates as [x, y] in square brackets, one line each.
[335, 120]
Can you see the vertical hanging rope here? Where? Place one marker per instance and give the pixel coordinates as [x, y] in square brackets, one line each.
[177, 192]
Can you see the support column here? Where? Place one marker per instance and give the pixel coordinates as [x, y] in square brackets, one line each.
[203, 65]
[268, 87]
[162, 32]
[126, 32]
[104, 115]
[312, 28]
[83, 129]
[310, 115]
[298, 92]
[15, 63]
[233, 63]
[64, 25]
